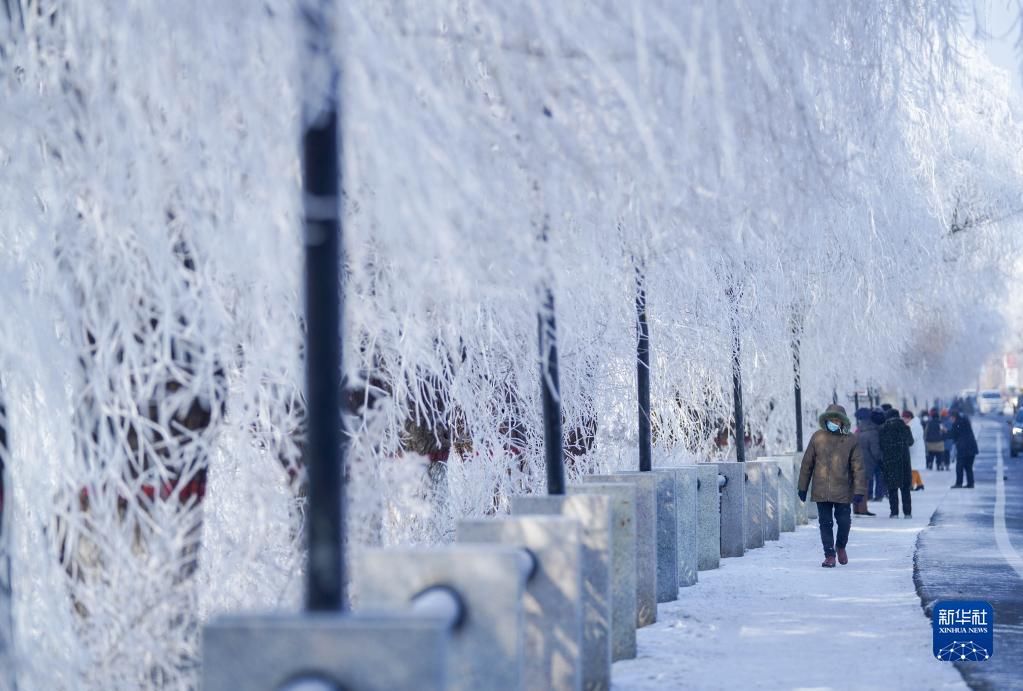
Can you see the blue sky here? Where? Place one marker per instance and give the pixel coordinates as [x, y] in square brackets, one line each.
[1000, 18]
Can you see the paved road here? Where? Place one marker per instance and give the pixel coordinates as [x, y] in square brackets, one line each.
[972, 550]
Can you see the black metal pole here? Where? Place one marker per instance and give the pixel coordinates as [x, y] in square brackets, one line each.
[4, 502]
[643, 373]
[856, 400]
[798, 389]
[740, 423]
[324, 448]
[551, 393]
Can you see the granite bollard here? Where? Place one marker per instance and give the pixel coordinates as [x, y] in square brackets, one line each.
[772, 489]
[486, 650]
[623, 563]
[667, 531]
[786, 495]
[646, 540]
[687, 531]
[733, 512]
[553, 599]
[593, 512]
[811, 505]
[801, 508]
[754, 505]
[708, 496]
[395, 651]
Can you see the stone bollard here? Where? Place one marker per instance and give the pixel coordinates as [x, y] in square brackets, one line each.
[708, 496]
[772, 499]
[787, 498]
[646, 540]
[801, 508]
[623, 563]
[811, 505]
[733, 511]
[486, 650]
[593, 512]
[667, 531]
[687, 513]
[754, 505]
[553, 599]
[396, 651]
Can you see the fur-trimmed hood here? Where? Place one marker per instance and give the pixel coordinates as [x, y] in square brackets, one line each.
[835, 412]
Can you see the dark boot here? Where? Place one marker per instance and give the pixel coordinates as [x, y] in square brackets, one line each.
[829, 561]
[862, 509]
[843, 558]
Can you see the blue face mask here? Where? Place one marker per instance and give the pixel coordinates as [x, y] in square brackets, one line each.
[832, 426]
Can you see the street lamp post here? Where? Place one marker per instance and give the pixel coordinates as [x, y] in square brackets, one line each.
[550, 386]
[740, 423]
[325, 442]
[796, 377]
[643, 373]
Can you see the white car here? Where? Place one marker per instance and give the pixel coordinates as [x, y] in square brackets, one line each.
[989, 401]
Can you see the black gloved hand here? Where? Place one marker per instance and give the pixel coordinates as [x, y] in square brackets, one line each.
[857, 498]
[802, 497]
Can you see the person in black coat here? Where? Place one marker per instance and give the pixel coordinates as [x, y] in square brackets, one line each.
[870, 449]
[896, 437]
[961, 433]
[934, 439]
[876, 489]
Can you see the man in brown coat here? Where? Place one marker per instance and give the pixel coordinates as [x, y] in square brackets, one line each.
[834, 461]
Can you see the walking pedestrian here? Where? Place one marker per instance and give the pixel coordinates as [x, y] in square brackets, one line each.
[896, 437]
[950, 445]
[961, 433]
[870, 449]
[876, 489]
[934, 440]
[834, 461]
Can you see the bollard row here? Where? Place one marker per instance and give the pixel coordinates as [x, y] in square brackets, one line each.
[548, 597]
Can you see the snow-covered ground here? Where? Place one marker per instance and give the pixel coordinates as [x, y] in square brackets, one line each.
[775, 619]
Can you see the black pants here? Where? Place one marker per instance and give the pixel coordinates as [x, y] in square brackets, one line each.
[842, 516]
[964, 464]
[893, 499]
[901, 473]
[935, 458]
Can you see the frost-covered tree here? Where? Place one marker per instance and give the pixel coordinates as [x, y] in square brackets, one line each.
[760, 165]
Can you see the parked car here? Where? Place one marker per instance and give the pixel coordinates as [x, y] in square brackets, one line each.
[1016, 434]
[989, 401]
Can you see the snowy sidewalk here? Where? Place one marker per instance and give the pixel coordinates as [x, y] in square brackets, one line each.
[774, 619]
